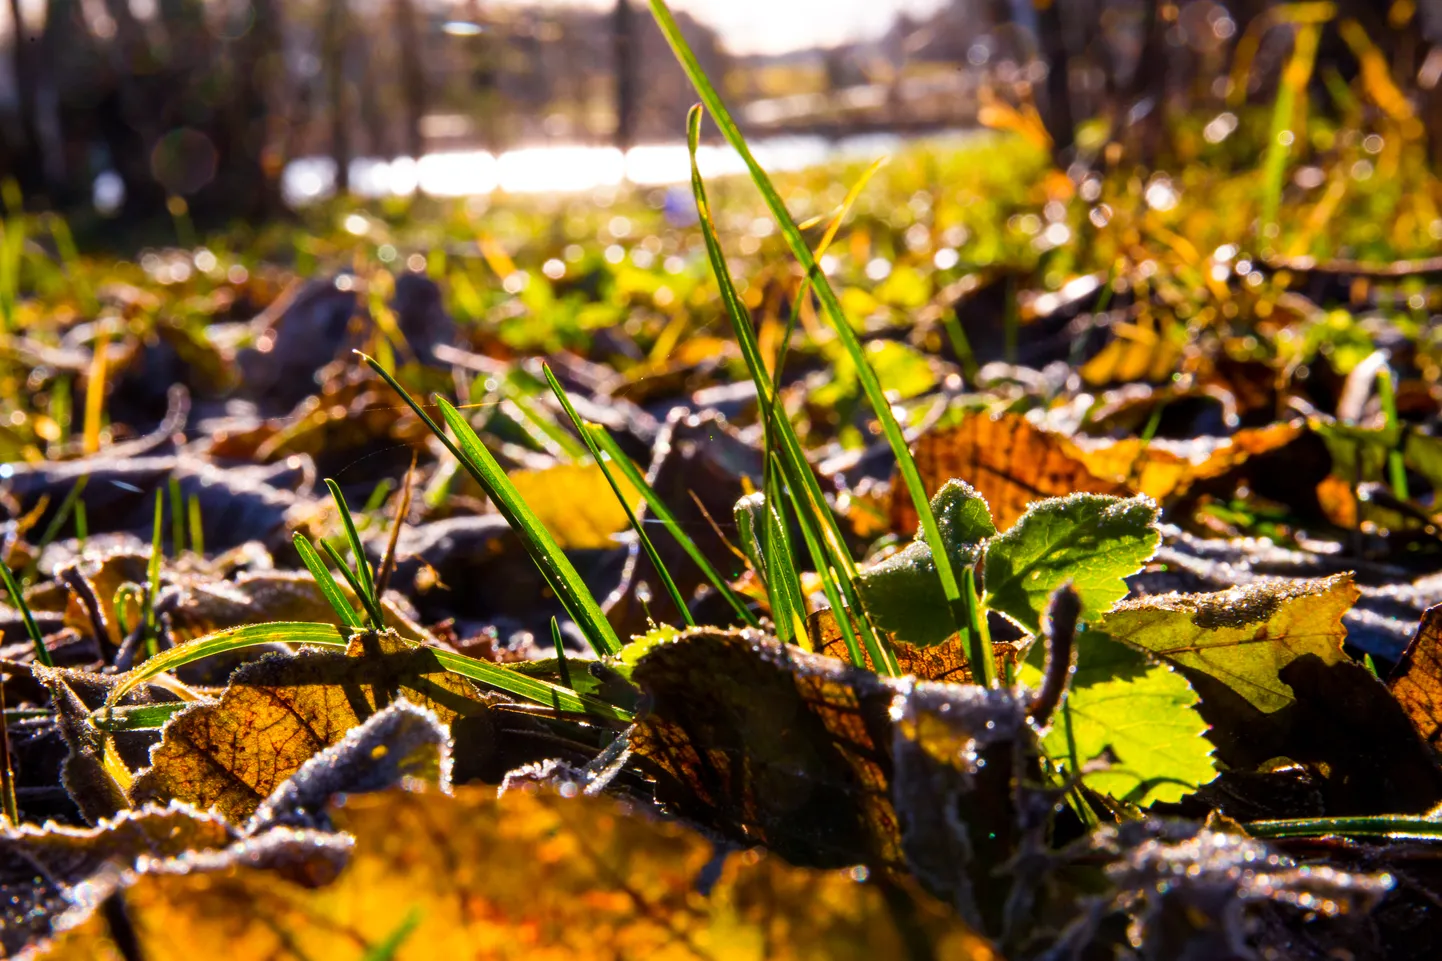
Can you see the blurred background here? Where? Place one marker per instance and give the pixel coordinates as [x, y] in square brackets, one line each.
[247, 107]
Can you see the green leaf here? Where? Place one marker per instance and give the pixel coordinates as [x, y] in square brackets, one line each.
[1144, 713]
[904, 592]
[1245, 636]
[1091, 540]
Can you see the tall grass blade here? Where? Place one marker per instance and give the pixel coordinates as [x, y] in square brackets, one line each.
[67, 507]
[764, 539]
[17, 600]
[357, 549]
[822, 564]
[403, 510]
[328, 588]
[197, 532]
[553, 563]
[372, 609]
[906, 465]
[152, 577]
[632, 473]
[646, 545]
[138, 717]
[778, 431]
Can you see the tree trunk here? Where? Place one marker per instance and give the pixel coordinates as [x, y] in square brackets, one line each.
[1058, 117]
[335, 49]
[624, 58]
[413, 76]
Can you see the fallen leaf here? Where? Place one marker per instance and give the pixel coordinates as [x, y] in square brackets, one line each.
[768, 744]
[1009, 460]
[1244, 637]
[576, 504]
[1162, 468]
[279, 711]
[531, 876]
[56, 876]
[946, 661]
[1416, 682]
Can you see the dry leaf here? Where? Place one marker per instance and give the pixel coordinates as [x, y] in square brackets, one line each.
[938, 662]
[1416, 682]
[1243, 637]
[1009, 460]
[1163, 468]
[279, 711]
[576, 504]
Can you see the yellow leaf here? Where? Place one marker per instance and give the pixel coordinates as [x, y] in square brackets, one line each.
[529, 876]
[576, 504]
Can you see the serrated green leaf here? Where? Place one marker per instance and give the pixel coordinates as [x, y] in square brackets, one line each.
[1091, 540]
[1143, 713]
[1245, 636]
[904, 593]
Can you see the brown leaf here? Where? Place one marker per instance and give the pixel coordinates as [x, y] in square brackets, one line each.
[946, 661]
[1164, 468]
[767, 744]
[1416, 681]
[1009, 460]
[279, 711]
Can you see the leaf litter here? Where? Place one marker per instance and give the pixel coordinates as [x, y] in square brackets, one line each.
[1153, 673]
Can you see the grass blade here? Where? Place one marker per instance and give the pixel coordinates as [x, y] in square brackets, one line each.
[357, 549]
[177, 517]
[553, 563]
[1398, 827]
[778, 432]
[138, 717]
[372, 609]
[563, 666]
[328, 588]
[234, 639]
[328, 635]
[95, 393]
[632, 473]
[646, 545]
[42, 653]
[403, 510]
[557, 568]
[152, 577]
[906, 465]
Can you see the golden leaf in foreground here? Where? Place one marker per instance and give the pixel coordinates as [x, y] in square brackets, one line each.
[1244, 637]
[281, 710]
[529, 876]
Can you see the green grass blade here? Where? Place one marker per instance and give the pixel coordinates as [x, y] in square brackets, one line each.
[177, 517]
[17, 599]
[372, 609]
[554, 565]
[530, 688]
[221, 642]
[777, 429]
[829, 586]
[950, 581]
[389, 947]
[563, 666]
[323, 580]
[632, 473]
[197, 534]
[646, 545]
[152, 577]
[328, 635]
[138, 717]
[362, 566]
[1400, 827]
